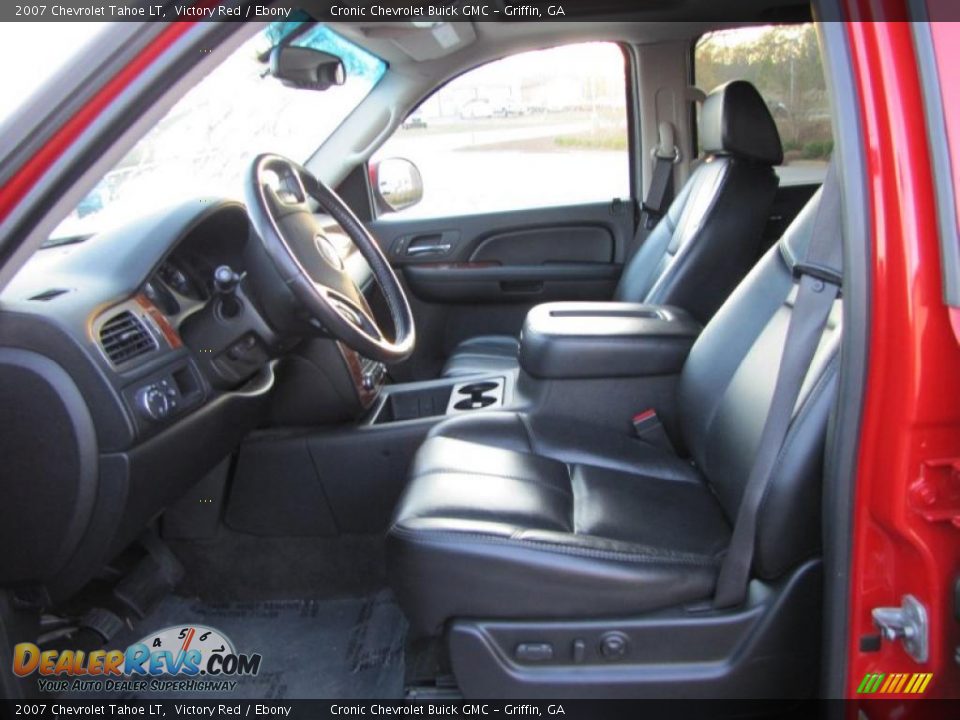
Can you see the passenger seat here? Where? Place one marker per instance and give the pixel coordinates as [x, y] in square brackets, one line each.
[710, 235]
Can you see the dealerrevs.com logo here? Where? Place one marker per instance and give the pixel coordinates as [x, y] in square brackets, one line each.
[178, 658]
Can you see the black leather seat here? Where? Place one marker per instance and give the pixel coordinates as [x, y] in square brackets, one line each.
[513, 515]
[710, 235]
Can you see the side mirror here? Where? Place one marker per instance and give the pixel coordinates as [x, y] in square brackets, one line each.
[304, 67]
[397, 184]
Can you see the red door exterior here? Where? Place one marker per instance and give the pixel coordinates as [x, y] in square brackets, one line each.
[907, 508]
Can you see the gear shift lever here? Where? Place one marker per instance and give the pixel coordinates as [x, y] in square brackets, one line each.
[226, 281]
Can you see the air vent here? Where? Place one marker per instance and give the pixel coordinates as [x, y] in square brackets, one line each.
[124, 337]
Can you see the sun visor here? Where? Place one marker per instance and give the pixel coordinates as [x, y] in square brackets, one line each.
[423, 41]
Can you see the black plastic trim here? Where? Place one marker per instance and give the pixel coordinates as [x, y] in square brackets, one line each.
[764, 649]
[634, 123]
[81, 424]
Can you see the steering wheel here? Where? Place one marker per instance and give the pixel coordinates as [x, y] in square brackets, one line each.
[277, 191]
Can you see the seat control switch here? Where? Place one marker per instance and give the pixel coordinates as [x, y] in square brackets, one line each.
[534, 652]
[579, 651]
[614, 645]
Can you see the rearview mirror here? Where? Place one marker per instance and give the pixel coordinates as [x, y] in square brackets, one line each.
[303, 67]
[397, 184]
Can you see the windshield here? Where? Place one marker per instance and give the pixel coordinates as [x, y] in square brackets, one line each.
[204, 145]
[62, 42]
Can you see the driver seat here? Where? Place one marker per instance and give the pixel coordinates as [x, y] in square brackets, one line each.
[518, 516]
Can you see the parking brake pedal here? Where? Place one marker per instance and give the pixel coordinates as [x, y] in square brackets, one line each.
[104, 623]
[153, 578]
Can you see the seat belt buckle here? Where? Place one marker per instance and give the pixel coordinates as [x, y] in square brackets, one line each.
[651, 216]
[647, 427]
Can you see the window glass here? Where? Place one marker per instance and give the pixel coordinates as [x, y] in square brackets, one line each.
[61, 43]
[206, 142]
[537, 129]
[784, 64]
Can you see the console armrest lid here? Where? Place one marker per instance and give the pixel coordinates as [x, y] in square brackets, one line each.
[605, 339]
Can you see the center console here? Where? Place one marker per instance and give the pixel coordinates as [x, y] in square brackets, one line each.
[572, 340]
[563, 347]
[591, 364]
[604, 363]
[416, 401]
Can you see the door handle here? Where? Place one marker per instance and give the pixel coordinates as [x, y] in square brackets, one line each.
[426, 244]
[429, 243]
[438, 249]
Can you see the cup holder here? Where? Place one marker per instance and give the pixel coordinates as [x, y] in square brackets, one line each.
[476, 396]
[478, 388]
[475, 402]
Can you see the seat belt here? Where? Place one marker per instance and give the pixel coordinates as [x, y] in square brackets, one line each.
[660, 192]
[820, 277]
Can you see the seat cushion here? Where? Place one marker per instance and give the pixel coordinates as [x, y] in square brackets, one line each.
[503, 518]
[483, 354]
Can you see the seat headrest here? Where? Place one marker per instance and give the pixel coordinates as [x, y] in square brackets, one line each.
[736, 121]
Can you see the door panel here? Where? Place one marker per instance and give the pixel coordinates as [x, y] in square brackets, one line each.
[480, 274]
[575, 243]
[519, 163]
[590, 234]
[494, 283]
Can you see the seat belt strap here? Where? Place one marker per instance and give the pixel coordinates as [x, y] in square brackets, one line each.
[660, 192]
[820, 278]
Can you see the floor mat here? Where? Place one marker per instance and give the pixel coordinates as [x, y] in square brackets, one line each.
[336, 648]
[235, 566]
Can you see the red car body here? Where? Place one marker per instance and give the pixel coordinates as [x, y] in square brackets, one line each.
[907, 513]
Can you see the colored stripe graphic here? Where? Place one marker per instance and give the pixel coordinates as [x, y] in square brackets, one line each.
[923, 685]
[894, 683]
[870, 683]
[891, 682]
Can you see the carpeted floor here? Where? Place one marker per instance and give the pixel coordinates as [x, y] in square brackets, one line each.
[316, 609]
[334, 648]
[239, 567]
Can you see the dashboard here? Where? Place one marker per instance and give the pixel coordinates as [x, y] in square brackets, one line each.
[174, 279]
[131, 365]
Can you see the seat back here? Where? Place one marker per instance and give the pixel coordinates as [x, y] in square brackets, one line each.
[710, 236]
[725, 393]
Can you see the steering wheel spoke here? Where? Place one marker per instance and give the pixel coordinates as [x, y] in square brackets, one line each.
[277, 197]
[354, 313]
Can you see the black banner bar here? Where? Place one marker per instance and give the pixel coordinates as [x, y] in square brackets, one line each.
[560, 709]
[434, 11]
